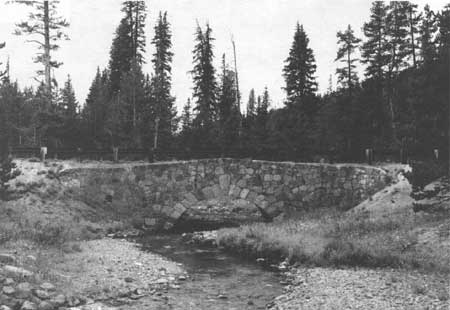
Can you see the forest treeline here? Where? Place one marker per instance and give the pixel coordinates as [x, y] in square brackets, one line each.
[401, 102]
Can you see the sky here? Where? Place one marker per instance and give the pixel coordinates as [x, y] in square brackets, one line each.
[262, 30]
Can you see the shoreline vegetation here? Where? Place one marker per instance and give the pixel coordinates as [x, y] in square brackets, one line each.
[342, 240]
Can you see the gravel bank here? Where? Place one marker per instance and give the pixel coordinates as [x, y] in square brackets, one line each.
[323, 288]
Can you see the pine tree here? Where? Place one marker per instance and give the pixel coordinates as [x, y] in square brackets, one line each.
[374, 48]
[121, 55]
[67, 112]
[205, 86]
[428, 30]
[136, 14]
[2, 73]
[299, 69]
[95, 109]
[259, 129]
[397, 31]
[186, 117]
[130, 101]
[163, 109]
[128, 47]
[443, 37]
[228, 111]
[413, 21]
[45, 23]
[348, 44]
[251, 104]
[68, 100]
[376, 56]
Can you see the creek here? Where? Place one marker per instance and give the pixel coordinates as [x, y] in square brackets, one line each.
[217, 280]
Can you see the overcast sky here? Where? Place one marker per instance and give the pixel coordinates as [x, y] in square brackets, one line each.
[263, 31]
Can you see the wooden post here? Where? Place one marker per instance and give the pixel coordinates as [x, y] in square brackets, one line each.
[436, 154]
[369, 156]
[155, 139]
[43, 153]
[116, 154]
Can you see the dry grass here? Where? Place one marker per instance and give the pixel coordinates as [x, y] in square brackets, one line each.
[341, 240]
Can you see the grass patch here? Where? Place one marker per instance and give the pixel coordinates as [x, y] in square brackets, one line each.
[339, 240]
[45, 234]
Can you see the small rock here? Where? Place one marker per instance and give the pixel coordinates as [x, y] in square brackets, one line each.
[28, 305]
[161, 281]
[48, 287]
[8, 290]
[58, 300]
[9, 281]
[73, 301]
[41, 294]
[23, 290]
[5, 308]
[222, 296]
[129, 279]
[45, 305]
[181, 278]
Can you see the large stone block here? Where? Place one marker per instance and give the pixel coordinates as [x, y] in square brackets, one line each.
[234, 191]
[219, 171]
[178, 211]
[217, 191]
[150, 221]
[224, 182]
[208, 192]
[244, 193]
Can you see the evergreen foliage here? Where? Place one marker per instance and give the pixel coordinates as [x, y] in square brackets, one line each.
[400, 103]
[205, 88]
[300, 69]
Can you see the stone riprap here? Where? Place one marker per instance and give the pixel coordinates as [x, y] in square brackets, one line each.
[220, 192]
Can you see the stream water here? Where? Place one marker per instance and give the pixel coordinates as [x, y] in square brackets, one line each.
[216, 280]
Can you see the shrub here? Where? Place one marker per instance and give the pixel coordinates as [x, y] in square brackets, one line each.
[8, 172]
[424, 172]
[49, 234]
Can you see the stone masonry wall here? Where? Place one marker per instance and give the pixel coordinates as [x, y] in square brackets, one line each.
[220, 192]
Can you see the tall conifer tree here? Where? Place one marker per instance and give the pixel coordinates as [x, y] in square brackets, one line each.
[205, 86]
[163, 108]
[348, 44]
[300, 69]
